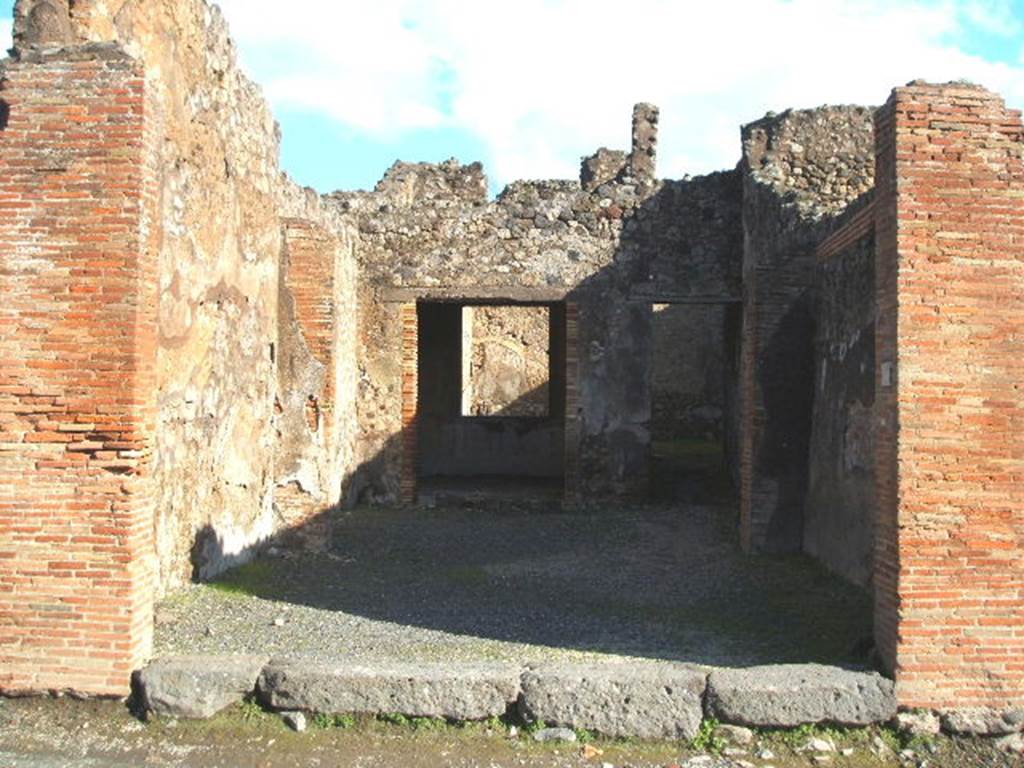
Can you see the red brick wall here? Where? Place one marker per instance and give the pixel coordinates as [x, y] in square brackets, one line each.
[309, 276]
[77, 350]
[950, 430]
[307, 302]
[410, 406]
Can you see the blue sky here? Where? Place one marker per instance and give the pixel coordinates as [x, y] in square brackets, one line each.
[530, 86]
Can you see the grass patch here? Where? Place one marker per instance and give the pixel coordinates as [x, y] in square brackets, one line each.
[707, 740]
[417, 724]
[694, 452]
[534, 727]
[250, 710]
[325, 721]
[255, 578]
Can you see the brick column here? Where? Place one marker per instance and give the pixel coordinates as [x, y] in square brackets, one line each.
[77, 372]
[410, 398]
[950, 407]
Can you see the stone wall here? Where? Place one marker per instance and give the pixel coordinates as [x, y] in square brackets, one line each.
[800, 169]
[197, 355]
[429, 232]
[949, 571]
[316, 377]
[840, 511]
[509, 364]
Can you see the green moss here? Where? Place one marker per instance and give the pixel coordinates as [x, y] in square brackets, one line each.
[256, 578]
[418, 724]
[324, 721]
[467, 576]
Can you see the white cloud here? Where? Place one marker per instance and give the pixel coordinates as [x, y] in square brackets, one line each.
[542, 82]
[6, 35]
[996, 17]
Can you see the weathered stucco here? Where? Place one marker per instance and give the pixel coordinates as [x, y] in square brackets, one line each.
[221, 201]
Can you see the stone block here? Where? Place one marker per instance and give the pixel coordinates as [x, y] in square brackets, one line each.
[787, 695]
[640, 700]
[196, 686]
[453, 691]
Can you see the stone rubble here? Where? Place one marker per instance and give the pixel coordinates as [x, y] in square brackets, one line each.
[919, 723]
[295, 720]
[555, 734]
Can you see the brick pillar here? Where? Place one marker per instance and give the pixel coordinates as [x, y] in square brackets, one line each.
[410, 404]
[77, 372]
[949, 576]
[307, 382]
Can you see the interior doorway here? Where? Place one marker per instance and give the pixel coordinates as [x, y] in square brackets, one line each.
[491, 400]
[693, 392]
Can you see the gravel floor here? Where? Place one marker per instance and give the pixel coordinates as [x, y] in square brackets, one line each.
[645, 582]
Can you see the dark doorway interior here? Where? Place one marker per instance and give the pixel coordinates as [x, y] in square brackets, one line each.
[491, 400]
[692, 402]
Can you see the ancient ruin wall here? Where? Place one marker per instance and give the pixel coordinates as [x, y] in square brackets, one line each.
[316, 372]
[949, 579]
[840, 511]
[430, 232]
[800, 169]
[222, 198]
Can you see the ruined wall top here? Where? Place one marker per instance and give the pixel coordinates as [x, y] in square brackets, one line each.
[643, 157]
[817, 159]
[42, 24]
[406, 184]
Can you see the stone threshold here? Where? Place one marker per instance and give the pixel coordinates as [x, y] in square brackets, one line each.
[636, 700]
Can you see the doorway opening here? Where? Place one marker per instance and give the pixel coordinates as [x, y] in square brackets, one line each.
[491, 400]
[694, 365]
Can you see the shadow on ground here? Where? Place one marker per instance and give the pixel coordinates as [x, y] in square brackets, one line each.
[658, 581]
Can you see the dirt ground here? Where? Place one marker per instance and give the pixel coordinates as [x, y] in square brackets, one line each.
[54, 733]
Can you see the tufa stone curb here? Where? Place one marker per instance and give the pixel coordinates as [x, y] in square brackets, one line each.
[788, 695]
[646, 701]
[451, 691]
[640, 700]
